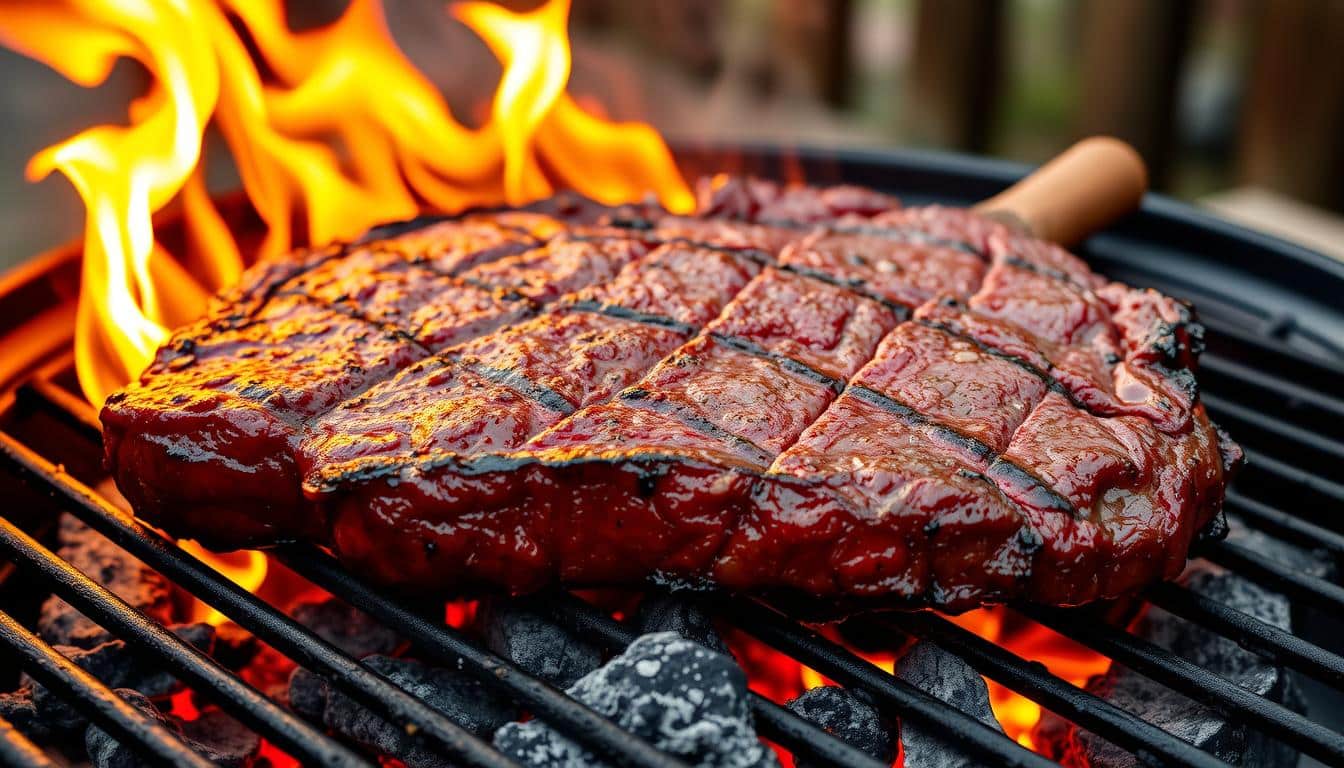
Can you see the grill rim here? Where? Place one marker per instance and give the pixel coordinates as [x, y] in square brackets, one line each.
[972, 178]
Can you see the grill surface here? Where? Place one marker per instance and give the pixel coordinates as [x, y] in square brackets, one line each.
[1269, 377]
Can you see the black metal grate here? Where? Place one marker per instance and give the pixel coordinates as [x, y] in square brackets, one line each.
[1292, 431]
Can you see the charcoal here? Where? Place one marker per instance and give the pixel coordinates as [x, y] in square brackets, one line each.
[346, 627]
[106, 563]
[1187, 719]
[850, 717]
[226, 742]
[946, 677]
[221, 739]
[683, 698]
[518, 630]
[235, 647]
[18, 709]
[118, 666]
[671, 613]
[463, 700]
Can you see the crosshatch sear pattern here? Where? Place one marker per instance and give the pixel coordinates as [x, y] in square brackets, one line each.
[802, 390]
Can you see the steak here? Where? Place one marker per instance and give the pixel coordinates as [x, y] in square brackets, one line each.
[801, 391]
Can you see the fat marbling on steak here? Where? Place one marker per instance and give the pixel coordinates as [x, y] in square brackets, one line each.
[801, 390]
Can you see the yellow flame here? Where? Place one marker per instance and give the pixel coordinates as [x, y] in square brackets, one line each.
[247, 568]
[339, 134]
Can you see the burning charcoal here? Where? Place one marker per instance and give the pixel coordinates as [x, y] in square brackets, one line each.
[106, 563]
[947, 678]
[465, 701]
[850, 717]
[682, 697]
[516, 630]
[118, 666]
[228, 744]
[346, 627]
[669, 613]
[1175, 713]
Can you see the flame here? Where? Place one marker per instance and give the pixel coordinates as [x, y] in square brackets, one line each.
[247, 568]
[332, 131]
[1065, 658]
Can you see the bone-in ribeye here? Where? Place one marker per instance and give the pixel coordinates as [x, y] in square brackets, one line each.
[801, 390]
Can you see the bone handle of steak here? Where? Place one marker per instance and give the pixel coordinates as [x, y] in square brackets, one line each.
[1089, 185]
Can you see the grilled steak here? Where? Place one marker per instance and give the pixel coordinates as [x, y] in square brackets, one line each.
[795, 389]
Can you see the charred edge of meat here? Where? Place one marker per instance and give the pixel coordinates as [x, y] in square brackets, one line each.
[1041, 269]
[783, 361]
[1045, 496]
[633, 315]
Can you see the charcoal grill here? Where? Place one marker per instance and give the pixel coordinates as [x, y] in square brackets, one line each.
[1271, 377]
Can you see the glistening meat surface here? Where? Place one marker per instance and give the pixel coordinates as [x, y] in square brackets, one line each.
[799, 390]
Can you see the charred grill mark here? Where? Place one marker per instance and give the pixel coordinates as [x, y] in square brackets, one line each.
[633, 315]
[1051, 272]
[515, 380]
[1049, 381]
[1044, 495]
[655, 402]
[783, 361]
[857, 287]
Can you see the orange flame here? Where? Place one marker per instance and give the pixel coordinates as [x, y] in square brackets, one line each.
[340, 133]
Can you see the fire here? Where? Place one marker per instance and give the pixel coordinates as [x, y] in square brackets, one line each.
[332, 131]
[1065, 658]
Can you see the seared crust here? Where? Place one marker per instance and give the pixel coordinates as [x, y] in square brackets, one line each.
[804, 391]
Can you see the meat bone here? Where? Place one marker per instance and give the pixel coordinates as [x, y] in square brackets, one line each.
[1088, 186]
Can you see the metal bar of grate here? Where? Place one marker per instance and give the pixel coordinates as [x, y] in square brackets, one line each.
[1283, 524]
[268, 624]
[1289, 391]
[1270, 573]
[1203, 686]
[1030, 679]
[1255, 460]
[778, 723]
[17, 751]
[94, 700]
[441, 642]
[186, 662]
[1268, 425]
[73, 410]
[837, 663]
[1283, 647]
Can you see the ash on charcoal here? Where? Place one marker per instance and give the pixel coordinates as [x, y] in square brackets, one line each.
[947, 678]
[463, 700]
[850, 717]
[518, 630]
[670, 613]
[346, 627]
[1187, 719]
[680, 696]
[118, 666]
[214, 736]
[106, 563]
[235, 647]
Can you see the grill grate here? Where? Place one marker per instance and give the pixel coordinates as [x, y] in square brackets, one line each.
[1282, 412]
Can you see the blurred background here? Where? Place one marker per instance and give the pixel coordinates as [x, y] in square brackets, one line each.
[1237, 104]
